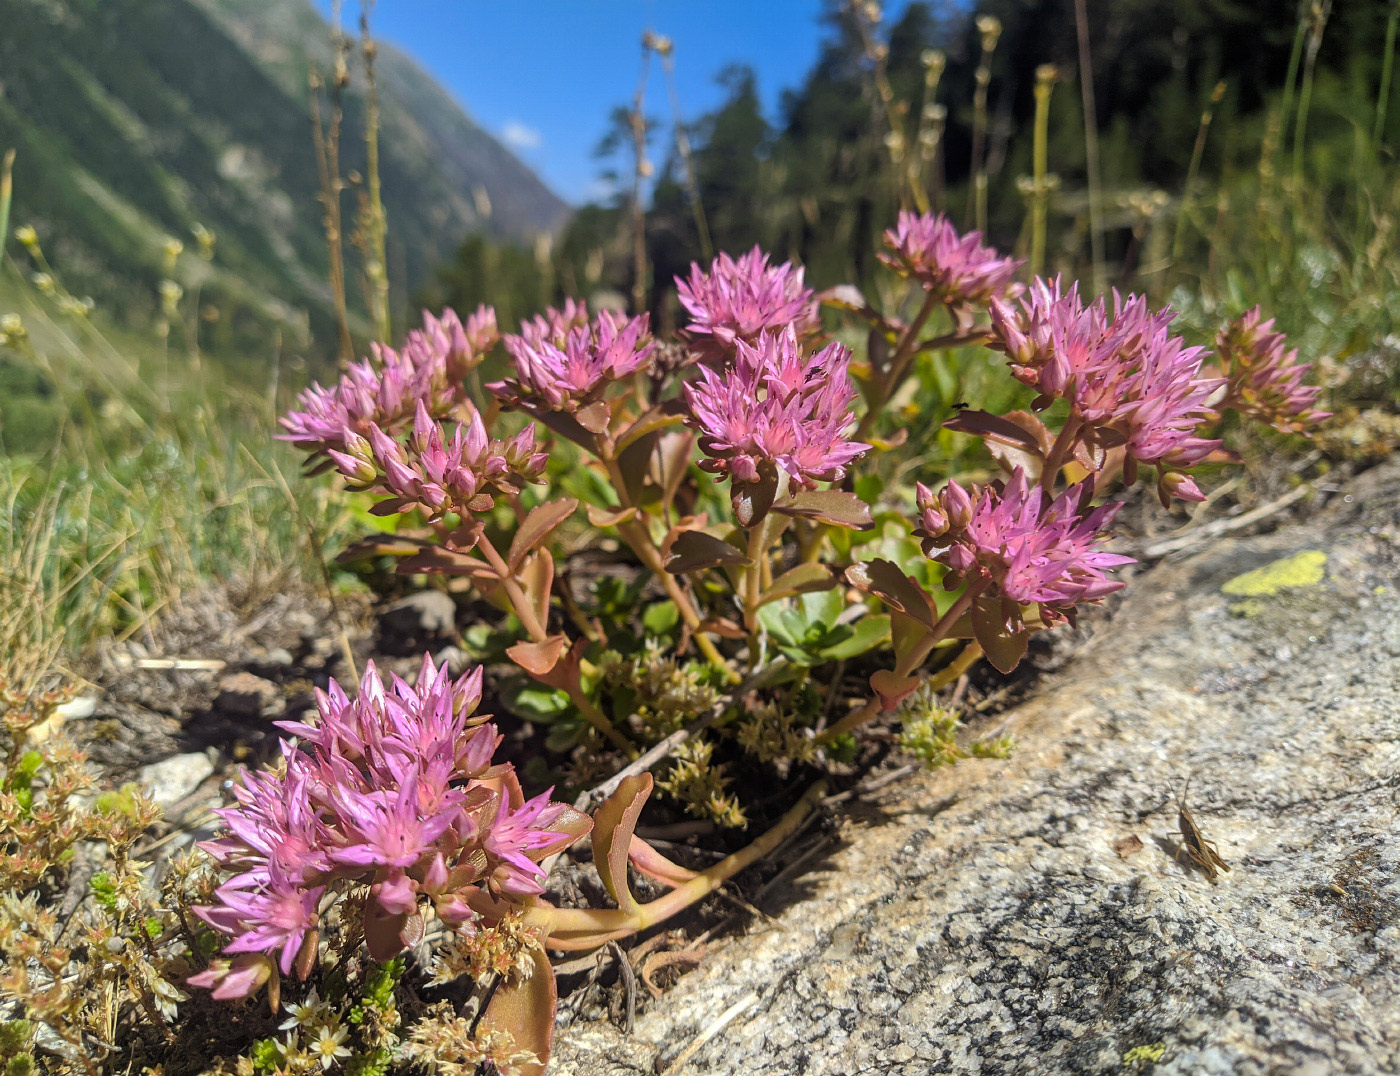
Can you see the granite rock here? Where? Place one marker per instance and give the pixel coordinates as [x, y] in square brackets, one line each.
[979, 919]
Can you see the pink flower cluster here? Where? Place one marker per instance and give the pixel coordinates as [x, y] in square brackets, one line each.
[395, 790]
[1008, 541]
[739, 298]
[387, 389]
[459, 475]
[959, 269]
[563, 361]
[777, 405]
[1130, 382]
[1265, 376]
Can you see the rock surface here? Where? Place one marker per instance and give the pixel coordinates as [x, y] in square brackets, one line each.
[979, 919]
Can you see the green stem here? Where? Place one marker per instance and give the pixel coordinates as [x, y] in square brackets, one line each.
[1040, 194]
[1382, 94]
[599, 721]
[1300, 125]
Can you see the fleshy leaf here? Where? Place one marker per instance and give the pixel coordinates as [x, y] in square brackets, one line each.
[537, 526]
[799, 580]
[694, 550]
[613, 824]
[523, 1008]
[610, 517]
[656, 866]
[891, 688]
[1004, 647]
[897, 590]
[834, 506]
[537, 659]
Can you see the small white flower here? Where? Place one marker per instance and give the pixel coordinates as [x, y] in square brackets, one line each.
[311, 1011]
[330, 1046]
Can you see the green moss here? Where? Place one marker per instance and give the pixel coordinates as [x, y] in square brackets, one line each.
[1305, 569]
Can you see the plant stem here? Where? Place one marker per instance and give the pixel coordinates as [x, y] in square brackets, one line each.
[638, 538]
[1197, 152]
[519, 602]
[1382, 94]
[599, 721]
[1091, 142]
[1300, 124]
[899, 361]
[1059, 451]
[1040, 193]
[6, 190]
[874, 707]
[588, 928]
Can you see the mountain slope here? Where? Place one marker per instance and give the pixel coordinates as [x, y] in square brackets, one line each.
[138, 119]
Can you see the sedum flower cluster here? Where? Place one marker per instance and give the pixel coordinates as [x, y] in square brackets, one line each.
[777, 405]
[1012, 541]
[1264, 376]
[957, 269]
[395, 790]
[388, 390]
[741, 298]
[564, 361]
[1130, 383]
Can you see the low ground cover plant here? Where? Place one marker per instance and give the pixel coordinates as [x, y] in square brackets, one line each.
[740, 465]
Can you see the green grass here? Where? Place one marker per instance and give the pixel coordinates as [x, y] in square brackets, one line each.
[130, 477]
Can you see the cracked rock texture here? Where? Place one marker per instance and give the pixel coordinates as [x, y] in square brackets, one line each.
[978, 919]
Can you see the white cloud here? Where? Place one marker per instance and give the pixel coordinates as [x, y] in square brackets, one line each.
[520, 136]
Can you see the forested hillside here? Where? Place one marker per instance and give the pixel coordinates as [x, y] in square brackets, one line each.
[138, 120]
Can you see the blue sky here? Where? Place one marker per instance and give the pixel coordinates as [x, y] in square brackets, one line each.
[543, 75]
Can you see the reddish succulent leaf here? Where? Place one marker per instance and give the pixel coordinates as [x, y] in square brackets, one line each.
[898, 591]
[799, 580]
[538, 659]
[999, 428]
[834, 506]
[906, 633]
[694, 550]
[1003, 646]
[752, 500]
[671, 462]
[1013, 456]
[536, 576]
[894, 440]
[389, 507]
[891, 688]
[634, 465]
[595, 417]
[723, 627]
[437, 560]
[385, 933]
[523, 1008]
[613, 823]
[564, 424]
[877, 345]
[610, 517]
[537, 526]
[656, 866]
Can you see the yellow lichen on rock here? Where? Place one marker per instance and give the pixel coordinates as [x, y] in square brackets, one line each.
[1305, 569]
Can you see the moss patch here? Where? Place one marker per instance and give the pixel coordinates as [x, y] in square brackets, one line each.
[1305, 569]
